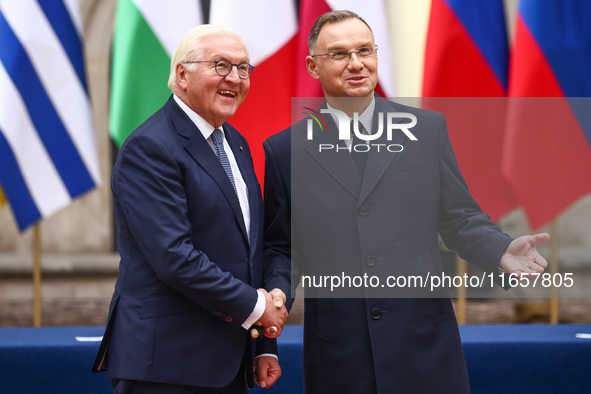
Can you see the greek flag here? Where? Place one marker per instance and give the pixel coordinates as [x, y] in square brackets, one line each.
[48, 155]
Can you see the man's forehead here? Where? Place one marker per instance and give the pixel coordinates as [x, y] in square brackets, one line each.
[217, 54]
[348, 32]
[230, 49]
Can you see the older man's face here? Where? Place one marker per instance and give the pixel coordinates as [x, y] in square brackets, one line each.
[351, 77]
[213, 97]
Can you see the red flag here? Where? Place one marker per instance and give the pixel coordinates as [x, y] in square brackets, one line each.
[270, 30]
[466, 55]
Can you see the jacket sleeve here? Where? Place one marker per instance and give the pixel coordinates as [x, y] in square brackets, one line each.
[265, 345]
[462, 224]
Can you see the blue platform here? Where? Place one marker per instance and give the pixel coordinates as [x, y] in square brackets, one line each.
[500, 359]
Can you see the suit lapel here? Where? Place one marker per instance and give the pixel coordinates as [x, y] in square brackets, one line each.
[200, 150]
[339, 165]
[378, 162]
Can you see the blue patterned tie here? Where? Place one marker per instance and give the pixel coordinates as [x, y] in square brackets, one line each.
[218, 142]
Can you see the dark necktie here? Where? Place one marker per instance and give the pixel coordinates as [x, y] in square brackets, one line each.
[218, 143]
[359, 156]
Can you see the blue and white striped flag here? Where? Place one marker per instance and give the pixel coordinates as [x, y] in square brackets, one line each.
[48, 154]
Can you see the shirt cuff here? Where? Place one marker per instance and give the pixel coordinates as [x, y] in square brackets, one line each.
[257, 312]
[267, 354]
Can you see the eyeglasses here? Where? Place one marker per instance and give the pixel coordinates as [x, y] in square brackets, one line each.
[224, 67]
[362, 53]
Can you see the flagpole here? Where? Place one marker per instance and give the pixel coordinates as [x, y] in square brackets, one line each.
[461, 268]
[37, 274]
[554, 315]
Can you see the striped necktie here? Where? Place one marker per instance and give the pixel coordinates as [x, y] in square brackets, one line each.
[218, 142]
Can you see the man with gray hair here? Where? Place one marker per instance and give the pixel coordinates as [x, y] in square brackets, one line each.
[189, 217]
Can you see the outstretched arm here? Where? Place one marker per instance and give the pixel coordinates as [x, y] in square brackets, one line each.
[521, 255]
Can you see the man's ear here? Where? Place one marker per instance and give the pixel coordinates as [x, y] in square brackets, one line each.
[312, 67]
[181, 76]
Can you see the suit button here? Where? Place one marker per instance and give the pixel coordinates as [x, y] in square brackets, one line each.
[364, 210]
[371, 261]
[376, 313]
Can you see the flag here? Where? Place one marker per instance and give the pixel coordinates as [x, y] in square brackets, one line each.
[548, 136]
[270, 29]
[146, 35]
[48, 155]
[373, 12]
[466, 55]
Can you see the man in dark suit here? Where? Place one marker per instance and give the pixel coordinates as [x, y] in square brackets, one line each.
[189, 230]
[329, 213]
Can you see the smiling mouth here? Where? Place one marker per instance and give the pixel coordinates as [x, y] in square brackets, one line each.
[357, 78]
[227, 93]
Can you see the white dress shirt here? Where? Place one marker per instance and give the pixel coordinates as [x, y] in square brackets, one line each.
[366, 119]
[241, 189]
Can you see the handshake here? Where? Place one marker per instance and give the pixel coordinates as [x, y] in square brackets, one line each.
[273, 319]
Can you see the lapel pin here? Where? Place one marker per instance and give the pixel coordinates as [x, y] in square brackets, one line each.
[240, 148]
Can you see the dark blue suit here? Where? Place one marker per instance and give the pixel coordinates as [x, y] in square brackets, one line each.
[381, 222]
[188, 273]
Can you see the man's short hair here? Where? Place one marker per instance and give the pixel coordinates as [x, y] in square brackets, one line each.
[190, 48]
[330, 17]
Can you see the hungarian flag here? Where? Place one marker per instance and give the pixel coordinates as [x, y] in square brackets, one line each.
[147, 33]
[373, 12]
[466, 55]
[548, 141]
[270, 29]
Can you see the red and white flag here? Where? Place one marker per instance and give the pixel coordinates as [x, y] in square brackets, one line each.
[270, 28]
[373, 12]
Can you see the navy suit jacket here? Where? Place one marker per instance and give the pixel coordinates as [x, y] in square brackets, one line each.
[384, 221]
[188, 272]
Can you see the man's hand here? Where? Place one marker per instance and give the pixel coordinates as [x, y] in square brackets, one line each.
[521, 255]
[275, 314]
[266, 371]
